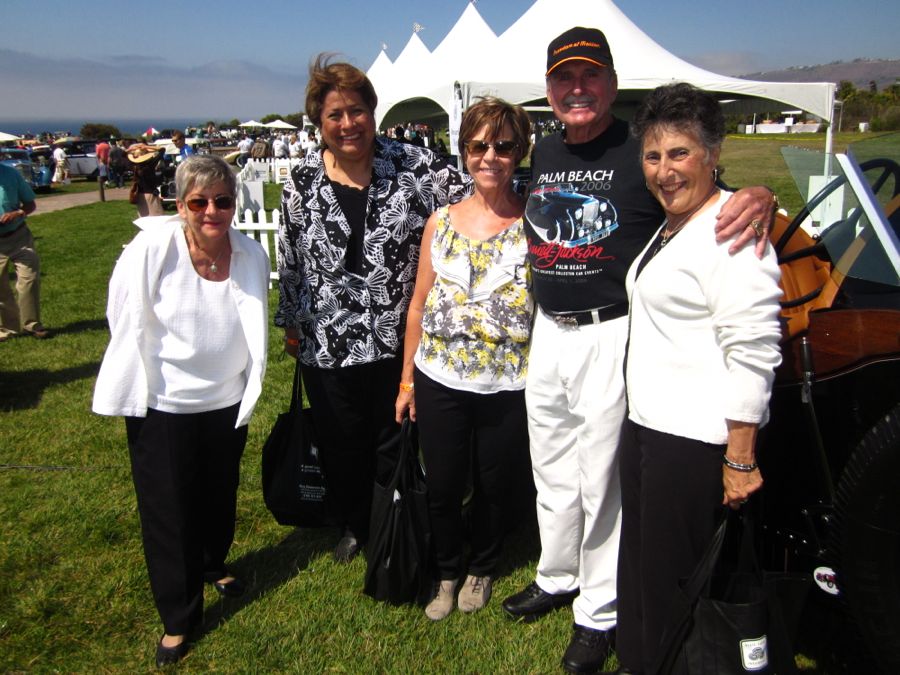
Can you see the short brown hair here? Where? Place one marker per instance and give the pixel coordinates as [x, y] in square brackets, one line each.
[203, 171]
[496, 113]
[325, 77]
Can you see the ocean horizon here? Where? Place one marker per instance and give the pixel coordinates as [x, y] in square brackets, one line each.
[128, 127]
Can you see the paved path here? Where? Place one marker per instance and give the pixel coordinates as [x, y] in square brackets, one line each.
[59, 202]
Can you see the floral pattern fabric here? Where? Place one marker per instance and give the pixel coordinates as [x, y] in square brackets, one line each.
[477, 317]
[347, 319]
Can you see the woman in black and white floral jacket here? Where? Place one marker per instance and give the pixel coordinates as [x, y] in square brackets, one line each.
[353, 215]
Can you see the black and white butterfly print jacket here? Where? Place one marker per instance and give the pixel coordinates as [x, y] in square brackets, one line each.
[346, 319]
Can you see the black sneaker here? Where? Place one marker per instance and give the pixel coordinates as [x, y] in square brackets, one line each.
[588, 650]
[534, 602]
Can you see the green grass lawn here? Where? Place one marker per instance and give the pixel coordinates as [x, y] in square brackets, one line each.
[74, 595]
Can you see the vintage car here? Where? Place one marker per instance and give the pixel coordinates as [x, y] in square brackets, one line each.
[42, 166]
[33, 166]
[561, 215]
[831, 454]
[82, 156]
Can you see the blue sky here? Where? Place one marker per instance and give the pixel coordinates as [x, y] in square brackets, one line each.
[115, 59]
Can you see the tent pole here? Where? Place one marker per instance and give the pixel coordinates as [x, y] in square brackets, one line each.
[829, 144]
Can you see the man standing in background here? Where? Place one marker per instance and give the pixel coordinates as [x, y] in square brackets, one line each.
[20, 315]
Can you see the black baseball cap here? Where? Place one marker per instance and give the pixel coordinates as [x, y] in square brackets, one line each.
[581, 44]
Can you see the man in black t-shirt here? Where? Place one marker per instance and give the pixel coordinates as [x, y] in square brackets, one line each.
[588, 215]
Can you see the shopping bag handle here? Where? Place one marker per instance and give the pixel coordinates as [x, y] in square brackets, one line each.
[406, 432]
[297, 389]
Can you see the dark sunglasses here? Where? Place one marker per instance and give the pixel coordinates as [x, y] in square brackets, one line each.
[501, 148]
[198, 204]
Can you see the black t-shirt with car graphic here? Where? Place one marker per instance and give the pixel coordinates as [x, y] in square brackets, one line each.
[588, 216]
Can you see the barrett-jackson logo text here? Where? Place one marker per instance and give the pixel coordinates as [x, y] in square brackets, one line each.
[546, 255]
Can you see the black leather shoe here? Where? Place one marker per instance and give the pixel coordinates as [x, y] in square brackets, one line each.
[347, 548]
[588, 649]
[230, 589]
[166, 656]
[533, 602]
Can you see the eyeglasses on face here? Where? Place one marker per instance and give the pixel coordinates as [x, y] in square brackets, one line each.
[198, 204]
[501, 148]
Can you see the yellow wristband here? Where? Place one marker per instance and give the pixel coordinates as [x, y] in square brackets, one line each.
[407, 387]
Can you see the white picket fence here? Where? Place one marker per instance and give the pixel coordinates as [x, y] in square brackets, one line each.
[268, 170]
[264, 230]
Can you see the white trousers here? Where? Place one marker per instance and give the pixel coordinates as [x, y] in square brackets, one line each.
[575, 394]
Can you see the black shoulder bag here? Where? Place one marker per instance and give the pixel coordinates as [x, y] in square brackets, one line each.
[726, 623]
[292, 478]
[398, 552]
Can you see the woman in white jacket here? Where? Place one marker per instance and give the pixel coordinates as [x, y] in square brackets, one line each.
[188, 315]
[703, 347]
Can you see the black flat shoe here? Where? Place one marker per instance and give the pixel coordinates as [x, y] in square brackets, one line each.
[230, 589]
[534, 602]
[347, 548]
[166, 656]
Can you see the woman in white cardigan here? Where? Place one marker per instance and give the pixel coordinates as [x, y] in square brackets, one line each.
[702, 351]
[188, 315]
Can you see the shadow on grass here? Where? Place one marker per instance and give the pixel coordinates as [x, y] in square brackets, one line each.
[522, 546]
[23, 389]
[267, 569]
[82, 326]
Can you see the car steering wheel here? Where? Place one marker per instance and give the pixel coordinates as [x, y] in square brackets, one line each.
[889, 168]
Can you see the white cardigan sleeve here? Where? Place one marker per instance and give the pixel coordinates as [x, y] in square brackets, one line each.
[742, 292]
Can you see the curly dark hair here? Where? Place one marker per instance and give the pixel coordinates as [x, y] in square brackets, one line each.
[495, 113]
[684, 107]
[325, 76]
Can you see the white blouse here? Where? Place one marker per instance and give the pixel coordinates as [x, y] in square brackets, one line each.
[199, 351]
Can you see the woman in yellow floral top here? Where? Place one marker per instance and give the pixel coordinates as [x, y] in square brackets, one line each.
[465, 355]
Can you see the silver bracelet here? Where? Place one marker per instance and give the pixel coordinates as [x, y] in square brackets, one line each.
[745, 468]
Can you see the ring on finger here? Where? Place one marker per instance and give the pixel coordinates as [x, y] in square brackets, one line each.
[757, 226]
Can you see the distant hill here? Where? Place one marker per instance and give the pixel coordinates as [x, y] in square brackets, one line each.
[860, 72]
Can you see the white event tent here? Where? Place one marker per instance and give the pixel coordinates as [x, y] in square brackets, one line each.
[419, 84]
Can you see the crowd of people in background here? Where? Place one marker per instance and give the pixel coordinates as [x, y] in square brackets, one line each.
[277, 145]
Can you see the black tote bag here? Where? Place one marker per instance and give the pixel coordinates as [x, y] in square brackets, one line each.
[292, 478]
[398, 552]
[726, 624]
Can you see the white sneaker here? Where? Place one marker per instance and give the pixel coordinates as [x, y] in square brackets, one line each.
[475, 593]
[442, 604]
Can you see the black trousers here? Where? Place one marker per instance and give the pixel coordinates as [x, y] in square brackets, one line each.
[671, 493]
[186, 470]
[359, 441]
[483, 435]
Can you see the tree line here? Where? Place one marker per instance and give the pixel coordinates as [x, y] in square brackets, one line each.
[881, 109]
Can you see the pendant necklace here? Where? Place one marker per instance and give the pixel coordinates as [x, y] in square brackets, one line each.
[213, 264]
[668, 232]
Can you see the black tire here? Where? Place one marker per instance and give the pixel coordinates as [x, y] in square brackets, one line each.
[867, 540]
